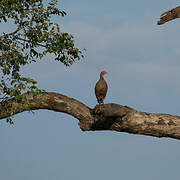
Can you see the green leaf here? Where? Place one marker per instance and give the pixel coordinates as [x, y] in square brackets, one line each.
[34, 36]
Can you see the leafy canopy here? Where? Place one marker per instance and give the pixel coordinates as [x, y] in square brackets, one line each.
[33, 37]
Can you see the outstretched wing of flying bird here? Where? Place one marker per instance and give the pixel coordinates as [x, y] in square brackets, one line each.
[169, 15]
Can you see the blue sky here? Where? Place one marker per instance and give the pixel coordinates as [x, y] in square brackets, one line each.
[143, 65]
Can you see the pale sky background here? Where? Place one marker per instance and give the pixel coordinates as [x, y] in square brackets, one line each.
[143, 65]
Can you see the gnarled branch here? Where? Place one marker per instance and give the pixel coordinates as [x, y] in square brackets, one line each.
[169, 15]
[101, 117]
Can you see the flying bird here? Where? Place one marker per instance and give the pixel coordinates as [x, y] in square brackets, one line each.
[101, 88]
[169, 15]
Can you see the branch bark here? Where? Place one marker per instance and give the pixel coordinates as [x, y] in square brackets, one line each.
[102, 117]
[169, 15]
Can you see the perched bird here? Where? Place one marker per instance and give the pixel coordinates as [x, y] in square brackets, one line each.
[169, 15]
[101, 88]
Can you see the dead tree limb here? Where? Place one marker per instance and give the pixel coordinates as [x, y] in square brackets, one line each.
[169, 15]
[102, 117]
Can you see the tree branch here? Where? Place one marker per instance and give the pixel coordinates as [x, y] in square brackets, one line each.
[169, 15]
[102, 117]
[9, 34]
[25, 40]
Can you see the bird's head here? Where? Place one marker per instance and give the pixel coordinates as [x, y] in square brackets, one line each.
[103, 73]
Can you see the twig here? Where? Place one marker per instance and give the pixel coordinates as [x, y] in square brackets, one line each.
[25, 40]
[9, 34]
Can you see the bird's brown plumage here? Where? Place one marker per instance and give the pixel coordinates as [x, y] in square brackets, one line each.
[101, 88]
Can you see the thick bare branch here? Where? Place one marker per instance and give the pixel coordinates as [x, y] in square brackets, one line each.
[169, 15]
[102, 117]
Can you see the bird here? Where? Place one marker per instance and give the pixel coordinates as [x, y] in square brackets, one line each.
[169, 15]
[101, 88]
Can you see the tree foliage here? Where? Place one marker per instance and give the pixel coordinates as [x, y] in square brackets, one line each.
[34, 36]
